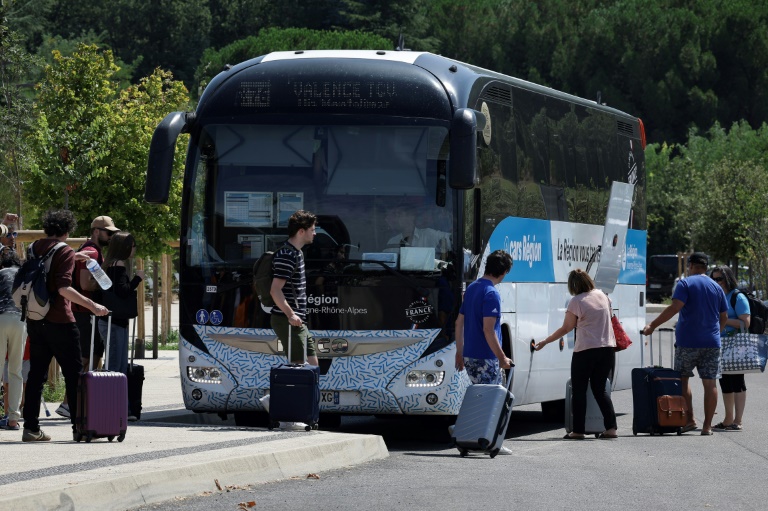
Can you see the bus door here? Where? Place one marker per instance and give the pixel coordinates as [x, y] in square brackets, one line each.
[612, 250]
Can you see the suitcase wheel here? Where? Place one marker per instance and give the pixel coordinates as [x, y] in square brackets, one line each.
[88, 437]
[463, 452]
[310, 428]
[110, 438]
[679, 431]
[494, 452]
[273, 425]
[597, 435]
[121, 437]
[78, 437]
[634, 431]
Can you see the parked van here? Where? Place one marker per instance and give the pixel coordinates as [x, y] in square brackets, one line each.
[662, 272]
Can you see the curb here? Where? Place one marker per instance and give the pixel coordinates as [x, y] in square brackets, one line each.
[281, 459]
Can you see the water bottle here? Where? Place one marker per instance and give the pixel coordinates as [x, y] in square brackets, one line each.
[98, 273]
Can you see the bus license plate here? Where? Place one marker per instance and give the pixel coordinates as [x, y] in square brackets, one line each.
[336, 397]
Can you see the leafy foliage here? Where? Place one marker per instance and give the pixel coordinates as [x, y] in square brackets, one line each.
[273, 39]
[91, 144]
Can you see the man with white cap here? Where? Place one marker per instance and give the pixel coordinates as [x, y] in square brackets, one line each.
[102, 229]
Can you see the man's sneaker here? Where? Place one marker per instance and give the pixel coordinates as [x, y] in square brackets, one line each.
[132, 418]
[293, 426]
[34, 436]
[63, 410]
[505, 450]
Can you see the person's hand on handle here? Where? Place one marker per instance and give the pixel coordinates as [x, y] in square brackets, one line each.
[505, 363]
[98, 309]
[540, 345]
[295, 320]
[647, 330]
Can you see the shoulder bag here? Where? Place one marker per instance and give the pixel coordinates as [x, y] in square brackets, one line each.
[744, 353]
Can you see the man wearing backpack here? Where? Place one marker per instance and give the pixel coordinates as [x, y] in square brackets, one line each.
[291, 299]
[56, 335]
[102, 229]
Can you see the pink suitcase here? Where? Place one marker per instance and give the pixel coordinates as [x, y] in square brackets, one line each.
[102, 400]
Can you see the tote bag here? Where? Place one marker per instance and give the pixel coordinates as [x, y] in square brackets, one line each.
[622, 339]
[744, 353]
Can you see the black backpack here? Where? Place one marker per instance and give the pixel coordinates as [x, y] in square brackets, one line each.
[263, 273]
[30, 286]
[758, 312]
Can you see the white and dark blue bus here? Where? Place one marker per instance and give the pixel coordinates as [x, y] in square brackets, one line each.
[370, 141]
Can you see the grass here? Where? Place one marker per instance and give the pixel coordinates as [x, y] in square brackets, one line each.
[54, 393]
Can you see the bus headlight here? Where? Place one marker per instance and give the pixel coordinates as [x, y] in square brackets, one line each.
[204, 374]
[424, 378]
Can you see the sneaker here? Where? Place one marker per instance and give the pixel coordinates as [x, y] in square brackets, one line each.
[132, 418]
[505, 450]
[34, 436]
[293, 426]
[63, 410]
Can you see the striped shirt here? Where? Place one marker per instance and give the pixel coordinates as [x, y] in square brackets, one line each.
[288, 264]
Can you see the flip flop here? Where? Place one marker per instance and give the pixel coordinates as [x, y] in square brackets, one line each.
[605, 436]
[689, 427]
[569, 437]
[707, 432]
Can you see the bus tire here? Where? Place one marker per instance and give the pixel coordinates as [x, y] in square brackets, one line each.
[554, 411]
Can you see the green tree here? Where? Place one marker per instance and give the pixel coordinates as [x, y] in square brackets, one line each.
[74, 129]
[16, 119]
[273, 39]
[92, 142]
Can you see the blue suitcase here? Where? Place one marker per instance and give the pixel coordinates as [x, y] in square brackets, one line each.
[648, 384]
[294, 393]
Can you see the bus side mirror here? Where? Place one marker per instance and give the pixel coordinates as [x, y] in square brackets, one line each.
[161, 153]
[463, 160]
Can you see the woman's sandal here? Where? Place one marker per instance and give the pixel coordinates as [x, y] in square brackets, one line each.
[689, 427]
[606, 436]
[569, 437]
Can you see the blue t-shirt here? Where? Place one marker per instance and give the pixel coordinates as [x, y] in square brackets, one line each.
[699, 322]
[742, 307]
[481, 300]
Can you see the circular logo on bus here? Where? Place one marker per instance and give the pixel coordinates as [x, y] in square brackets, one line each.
[418, 311]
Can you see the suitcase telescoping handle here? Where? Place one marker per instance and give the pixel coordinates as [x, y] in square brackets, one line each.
[650, 343]
[288, 351]
[510, 377]
[93, 336]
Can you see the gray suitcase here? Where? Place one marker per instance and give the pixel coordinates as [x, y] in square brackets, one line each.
[483, 417]
[593, 423]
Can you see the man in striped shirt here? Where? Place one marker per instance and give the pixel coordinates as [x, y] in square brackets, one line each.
[289, 288]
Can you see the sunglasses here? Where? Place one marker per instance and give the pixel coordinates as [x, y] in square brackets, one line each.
[718, 279]
[12, 234]
[109, 233]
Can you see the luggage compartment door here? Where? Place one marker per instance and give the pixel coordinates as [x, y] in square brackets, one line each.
[614, 236]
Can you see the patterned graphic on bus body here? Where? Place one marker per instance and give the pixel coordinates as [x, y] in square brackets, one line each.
[382, 389]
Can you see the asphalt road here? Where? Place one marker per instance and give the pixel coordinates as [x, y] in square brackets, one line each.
[724, 471]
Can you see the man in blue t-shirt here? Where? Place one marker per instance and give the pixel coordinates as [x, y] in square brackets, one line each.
[703, 313]
[478, 327]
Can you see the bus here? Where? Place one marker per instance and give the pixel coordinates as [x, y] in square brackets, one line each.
[381, 145]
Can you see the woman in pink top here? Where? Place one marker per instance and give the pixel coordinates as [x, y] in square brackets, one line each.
[593, 354]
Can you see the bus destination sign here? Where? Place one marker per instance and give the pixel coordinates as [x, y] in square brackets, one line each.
[352, 94]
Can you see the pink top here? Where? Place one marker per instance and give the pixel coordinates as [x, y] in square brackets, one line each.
[593, 324]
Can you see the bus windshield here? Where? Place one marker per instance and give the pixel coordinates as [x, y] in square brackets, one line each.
[379, 193]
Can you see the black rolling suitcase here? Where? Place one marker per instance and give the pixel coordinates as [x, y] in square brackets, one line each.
[135, 382]
[657, 396]
[294, 392]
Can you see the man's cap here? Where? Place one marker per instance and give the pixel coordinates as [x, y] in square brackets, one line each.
[698, 258]
[104, 222]
[3, 230]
